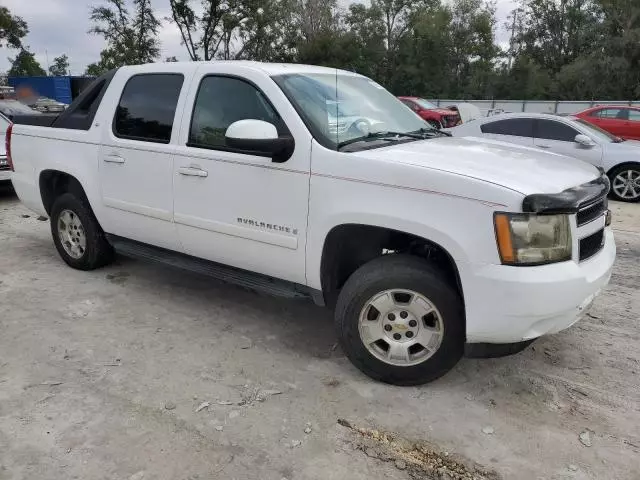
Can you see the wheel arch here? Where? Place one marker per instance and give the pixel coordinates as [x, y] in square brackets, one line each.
[623, 164]
[348, 246]
[53, 183]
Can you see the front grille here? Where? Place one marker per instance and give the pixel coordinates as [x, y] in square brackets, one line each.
[591, 212]
[591, 245]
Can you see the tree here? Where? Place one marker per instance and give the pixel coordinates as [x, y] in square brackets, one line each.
[60, 66]
[201, 35]
[170, 59]
[25, 65]
[12, 29]
[131, 39]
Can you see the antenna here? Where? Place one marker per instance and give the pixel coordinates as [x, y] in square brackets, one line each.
[337, 122]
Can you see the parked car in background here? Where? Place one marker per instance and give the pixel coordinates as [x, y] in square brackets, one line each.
[435, 116]
[48, 105]
[621, 121]
[570, 136]
[9, 108]
[5, 169]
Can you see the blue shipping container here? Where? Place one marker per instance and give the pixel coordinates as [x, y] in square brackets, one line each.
[58, 88]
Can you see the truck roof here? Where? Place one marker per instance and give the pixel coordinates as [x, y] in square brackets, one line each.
[268, 68]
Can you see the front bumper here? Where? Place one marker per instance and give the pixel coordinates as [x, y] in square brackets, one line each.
[506, 304]
[5, 175]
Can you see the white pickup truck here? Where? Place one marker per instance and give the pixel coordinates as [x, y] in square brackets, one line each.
[309, 181]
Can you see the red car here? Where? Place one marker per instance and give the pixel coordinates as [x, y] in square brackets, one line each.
[437, 117]
[621, 121]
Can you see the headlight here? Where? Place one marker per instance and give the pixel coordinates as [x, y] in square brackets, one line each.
[532, 239]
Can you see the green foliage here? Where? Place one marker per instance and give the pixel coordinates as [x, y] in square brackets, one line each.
[25, 65]
[131, 39]
[60, 66]
[559, 49]
[12, 29]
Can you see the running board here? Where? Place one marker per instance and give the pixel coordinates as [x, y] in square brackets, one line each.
[236, 276]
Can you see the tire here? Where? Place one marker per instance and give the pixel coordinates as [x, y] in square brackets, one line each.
[618, 189]
[96, 251]
[399, 273]
[435, 124]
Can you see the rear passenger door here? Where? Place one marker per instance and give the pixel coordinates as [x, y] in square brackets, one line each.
[512, 130]
[136, 170]
[559, 137]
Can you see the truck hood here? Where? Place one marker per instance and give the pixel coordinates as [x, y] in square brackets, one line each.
[523, 169]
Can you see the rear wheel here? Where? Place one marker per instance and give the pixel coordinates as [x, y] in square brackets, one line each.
[400, 322]
[77, 235]
[625, 183]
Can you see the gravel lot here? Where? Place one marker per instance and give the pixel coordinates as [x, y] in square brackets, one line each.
[102, 375]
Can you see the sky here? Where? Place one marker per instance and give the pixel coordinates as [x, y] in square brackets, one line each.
[57, 27]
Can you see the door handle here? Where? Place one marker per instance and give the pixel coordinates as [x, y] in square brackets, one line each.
[543, 146]
[193, 172]
[113, 159]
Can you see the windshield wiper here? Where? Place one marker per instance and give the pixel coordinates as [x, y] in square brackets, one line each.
[388, 136]
[433, 130]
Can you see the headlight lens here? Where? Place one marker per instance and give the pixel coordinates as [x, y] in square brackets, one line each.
[531, 239]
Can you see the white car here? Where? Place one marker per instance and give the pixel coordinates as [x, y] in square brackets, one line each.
[570, 136]
[418, 241]
[5, 169]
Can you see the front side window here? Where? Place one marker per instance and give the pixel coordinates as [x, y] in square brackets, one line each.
[596, 132]
[147, 107]
[550, 130]
[222, 101]
[341, 108]
[634, 115]
[613, 113]
[516, 127]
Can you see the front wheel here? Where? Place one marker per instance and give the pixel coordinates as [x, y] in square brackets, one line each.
[400, 321]
[625, 183]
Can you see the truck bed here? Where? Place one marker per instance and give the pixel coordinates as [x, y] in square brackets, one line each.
[42, 120]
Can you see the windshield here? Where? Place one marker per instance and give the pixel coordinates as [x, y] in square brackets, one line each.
[597, 132]
[338, 108]
[425, 104]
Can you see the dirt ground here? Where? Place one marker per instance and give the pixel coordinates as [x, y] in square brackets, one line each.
[104, 375]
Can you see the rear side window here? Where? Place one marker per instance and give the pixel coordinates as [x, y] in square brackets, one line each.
[147, 107]
[550, 130]
[517, 127]
[222, 101]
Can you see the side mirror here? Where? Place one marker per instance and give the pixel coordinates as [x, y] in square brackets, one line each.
[260, 138]
[584, 141]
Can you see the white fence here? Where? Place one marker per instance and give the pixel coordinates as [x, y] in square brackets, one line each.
[532, 106]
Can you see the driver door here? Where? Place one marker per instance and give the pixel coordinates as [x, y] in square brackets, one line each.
[235, 207]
